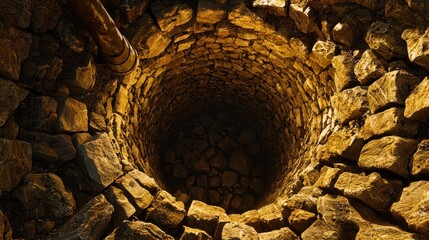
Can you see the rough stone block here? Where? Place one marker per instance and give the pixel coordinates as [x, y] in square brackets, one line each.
[238, 231]
[413, 207]
[417, 42]
[45, 196]
[100, 161]
[382, 38]
[390, 90]
[324, 51]
[346, 143]
[138, 230]
[72, 116]
[205, 217]
[166, 210]
[278, 7]
[300, 220]
[417, 103]
[369, 67]
[89, 223]
[11, 95]
[137, 195]
[15, 162]
[389, 122]
[194, 234]
[350, 104]
[344, 75]
[328, 177]
[373, 190]
[243, 17]
[171, 16]
[390, 153]
[282, 233]
[123, 208]
[419, 164]
[39, 114]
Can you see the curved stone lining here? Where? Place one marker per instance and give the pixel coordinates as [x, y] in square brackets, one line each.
[337, 89]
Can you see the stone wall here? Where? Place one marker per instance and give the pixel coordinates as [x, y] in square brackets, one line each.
[337, 91]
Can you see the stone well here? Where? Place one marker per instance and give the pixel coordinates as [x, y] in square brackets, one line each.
[244, 119]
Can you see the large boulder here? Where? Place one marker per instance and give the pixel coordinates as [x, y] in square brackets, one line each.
[72, 115]
[232, 231]
[369, 67]
[170, 16]
[100, 161]
[417, 42]
[210, 12]
[138, 195]
[205, 217]
[15, 162]
[89, 223]
[45, 196]
[123, 208]
[137, 230]
[383, 38]
[390, 153]
[350, 104]
[166, 211]
[243, 17]
[419, 164]
[372, 189]
[413, 207]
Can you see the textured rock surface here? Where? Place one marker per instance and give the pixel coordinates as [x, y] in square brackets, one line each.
[138, 230]
[418, 162]
[417, 40]
[369, 67]
[210, 12]
[350, 104]
[45, 196]
[166, 210]
[123, 209]
[416, 104]
[194, 234]
[412, 207]
[139, 196]
[390, 90]
[388, 153]
[5, 229]
[72, 116]
[283, 233]
[99, 161]
[10, 97]
[372, 189]
[205, 217]
[15, 162]
[89, 222]
[346, 143]
[382, 38]
[238, 231]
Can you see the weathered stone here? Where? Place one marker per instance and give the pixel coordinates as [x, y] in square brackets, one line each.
[344, 75]
[324, 51]
[10, 129]
[171, 16]
[328, 177]
[133, 9]
[134, 230]
[96, 122]
[210, 12]
[45, 196]
[372, 189]
[241, 163]
[390, 153]
[271, 217]
[413, 207]
[282, 233]
[123, 208]
[16, 13]
[148, 40]
[233, 231]
[390, 90]
[145, 181]
[300, 220]
[89, 223]
[45, 15]
[417, 40]
[166, 211]
[416, 104]
[320, 230]
[205, 217]
[10, 97]
[138, 196]
[382, 38]
[82, 77]
[194, 234]
[80, 138]
[350, 104]
[15, 162]
[5, 228]
[401, 13]
[369, 67]
[243, 17]
[100, 161]
[39, 114]
[51, 149]
[346, 143]
[303, 16]
[278, 7]
[121, 104]
[305, 199]
[418, 164]
[346, 31]
[389, 122]
[20, 42]
[72, 115]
